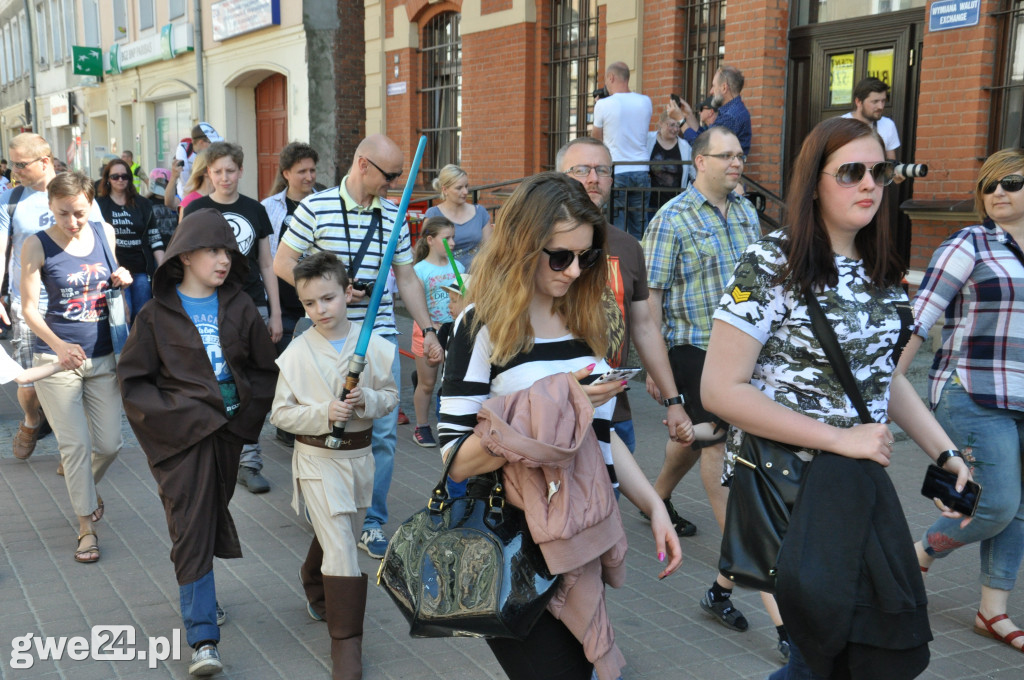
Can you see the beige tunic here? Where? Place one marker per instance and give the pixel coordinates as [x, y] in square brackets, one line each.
[312, 376]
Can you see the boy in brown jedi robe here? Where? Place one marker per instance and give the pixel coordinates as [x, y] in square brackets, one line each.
[337, 484]
[197, 379]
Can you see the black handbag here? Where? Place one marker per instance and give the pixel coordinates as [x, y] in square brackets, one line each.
[766, 482]
[467, 567]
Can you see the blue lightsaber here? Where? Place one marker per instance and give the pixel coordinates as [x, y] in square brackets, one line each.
[358, 361]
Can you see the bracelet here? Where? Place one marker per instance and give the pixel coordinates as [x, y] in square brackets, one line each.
[945, 456]
[678, 399]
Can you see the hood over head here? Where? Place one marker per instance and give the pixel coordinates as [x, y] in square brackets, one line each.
[205, 228]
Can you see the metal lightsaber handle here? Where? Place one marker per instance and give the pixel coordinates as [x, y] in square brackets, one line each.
[355, 367]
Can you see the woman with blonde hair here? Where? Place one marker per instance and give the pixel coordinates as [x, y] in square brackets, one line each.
[472, 222]
[975, 285]
[529, 321]
[198, 184]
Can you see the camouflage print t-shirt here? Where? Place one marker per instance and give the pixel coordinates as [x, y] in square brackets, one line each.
[792, 368]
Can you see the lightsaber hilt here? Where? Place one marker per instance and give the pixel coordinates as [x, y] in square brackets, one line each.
[355, 367]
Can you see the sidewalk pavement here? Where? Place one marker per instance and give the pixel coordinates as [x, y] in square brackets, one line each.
[659, 626]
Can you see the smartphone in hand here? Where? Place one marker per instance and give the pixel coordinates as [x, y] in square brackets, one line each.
[617, 374]
[941, 484]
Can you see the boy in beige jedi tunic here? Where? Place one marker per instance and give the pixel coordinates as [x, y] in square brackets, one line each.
[336, 484]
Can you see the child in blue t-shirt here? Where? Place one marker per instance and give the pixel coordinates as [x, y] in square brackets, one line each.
[435, 271]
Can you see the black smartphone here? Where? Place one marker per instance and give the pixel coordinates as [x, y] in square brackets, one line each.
[181, 164]
[941, 484]
[677, 100]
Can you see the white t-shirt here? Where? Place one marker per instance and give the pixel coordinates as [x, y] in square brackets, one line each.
[181, 154]
[886, 129]
[625, 118]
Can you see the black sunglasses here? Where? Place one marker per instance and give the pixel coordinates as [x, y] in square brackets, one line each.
[124, 178]
[388, 176]
[560, 260]
[850, 174]
[1010, 183]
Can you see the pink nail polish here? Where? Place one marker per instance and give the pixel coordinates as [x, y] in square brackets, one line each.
[661, 557]
[625, 382]
[591, 367]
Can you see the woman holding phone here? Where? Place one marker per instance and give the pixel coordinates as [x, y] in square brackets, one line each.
[975, 283]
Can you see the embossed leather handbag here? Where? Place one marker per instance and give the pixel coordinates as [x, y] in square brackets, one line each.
[467, 567]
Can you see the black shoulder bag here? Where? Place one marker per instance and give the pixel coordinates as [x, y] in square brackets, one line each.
[767, 479]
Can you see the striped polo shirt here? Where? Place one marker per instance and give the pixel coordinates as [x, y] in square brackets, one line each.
[318, 224]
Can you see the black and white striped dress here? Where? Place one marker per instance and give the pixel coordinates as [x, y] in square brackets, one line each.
[470, 379]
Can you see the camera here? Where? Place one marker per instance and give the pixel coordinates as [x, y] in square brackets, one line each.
[600, 93]
[365, 286]
[910, 170]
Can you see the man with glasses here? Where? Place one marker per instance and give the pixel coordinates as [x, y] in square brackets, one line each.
[24, 211]
[731, 112]
[691, 248]
[354, 220]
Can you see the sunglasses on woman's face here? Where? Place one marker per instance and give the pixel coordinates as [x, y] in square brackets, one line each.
[123, 178]
[560, 260]
[1011, 184]
[851, 174]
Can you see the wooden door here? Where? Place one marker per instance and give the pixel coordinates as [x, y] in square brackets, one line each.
[271, 129]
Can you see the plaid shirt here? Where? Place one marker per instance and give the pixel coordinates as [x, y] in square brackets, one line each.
[976, 280]
[691, 251]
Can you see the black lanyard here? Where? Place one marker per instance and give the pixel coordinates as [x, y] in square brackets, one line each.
[375, 222]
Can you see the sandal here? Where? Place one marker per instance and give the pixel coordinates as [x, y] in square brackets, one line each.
[990, 632]
[97, 514]
[89, 555]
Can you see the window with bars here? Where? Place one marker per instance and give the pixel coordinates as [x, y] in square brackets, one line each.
[703, 46]
[572, 71]
[1008, 102]
[442, 93]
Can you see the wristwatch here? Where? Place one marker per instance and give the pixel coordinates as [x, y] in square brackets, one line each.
[429, 329]
[678, 399]
[945, 456]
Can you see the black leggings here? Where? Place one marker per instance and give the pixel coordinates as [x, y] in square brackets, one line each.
[550, 652]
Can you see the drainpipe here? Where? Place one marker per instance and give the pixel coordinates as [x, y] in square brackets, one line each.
[32, 68]
[197, 39]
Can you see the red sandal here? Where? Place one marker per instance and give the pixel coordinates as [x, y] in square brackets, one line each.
[990, 632]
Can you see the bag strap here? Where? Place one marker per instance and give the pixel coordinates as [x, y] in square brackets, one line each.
[827, 338]
[439, 496]
[12, 203]
[107, 255]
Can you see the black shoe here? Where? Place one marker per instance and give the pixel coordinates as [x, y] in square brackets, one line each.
[783, 648]
[682, 526]
[252, 480]
[727, 615]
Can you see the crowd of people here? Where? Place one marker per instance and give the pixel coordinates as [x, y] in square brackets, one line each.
[241, 309]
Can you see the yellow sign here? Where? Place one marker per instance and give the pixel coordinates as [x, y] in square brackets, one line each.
[880, 65]
[840, 79]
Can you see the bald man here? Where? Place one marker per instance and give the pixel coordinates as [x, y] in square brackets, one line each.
[352, 218]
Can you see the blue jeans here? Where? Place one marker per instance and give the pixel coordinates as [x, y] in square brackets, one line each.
[629, 206]
[252, 454]
[383, 442]
[139, 293]
[199, 610]
[996, 437]
[796, 669]
[626, 433]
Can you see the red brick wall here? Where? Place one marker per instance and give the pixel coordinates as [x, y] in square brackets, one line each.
[492, 6]
[404, 113]
[755, 43]
[663, 29]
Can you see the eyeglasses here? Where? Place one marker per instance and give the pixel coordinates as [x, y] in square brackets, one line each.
[851, 174]
[728, 157]
[1010, 183]
[18, 165]
[123, 178]
[388, 176]
[560, 260]
[582, 171]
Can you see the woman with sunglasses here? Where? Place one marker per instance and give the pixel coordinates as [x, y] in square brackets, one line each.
[767, 374]
[975, 283]
[530, 319]
[140, 247]
[472, 222]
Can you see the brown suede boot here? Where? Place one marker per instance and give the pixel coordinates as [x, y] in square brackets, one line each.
[346, 604]
[313, 580]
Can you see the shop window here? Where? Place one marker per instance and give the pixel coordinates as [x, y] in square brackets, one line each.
[442, 93]
[703, 47]
[572, 71]
[1008, 102]
[146, 19]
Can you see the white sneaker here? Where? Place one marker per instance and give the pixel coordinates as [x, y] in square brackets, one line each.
[205, 661]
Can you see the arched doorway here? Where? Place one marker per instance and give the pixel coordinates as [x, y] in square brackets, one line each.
[271, 128]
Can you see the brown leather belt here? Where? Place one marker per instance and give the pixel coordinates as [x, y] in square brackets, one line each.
[349, 442]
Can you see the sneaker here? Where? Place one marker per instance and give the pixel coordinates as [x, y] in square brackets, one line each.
[252, 480]
[424, 437]
[402, 418]
[682, 526]
[727, 615]
[312, 613]
[25, 441]
[222, 616]
[205, 661]
[373, 543]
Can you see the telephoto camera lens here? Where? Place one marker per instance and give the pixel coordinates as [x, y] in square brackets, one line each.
[909, 170]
